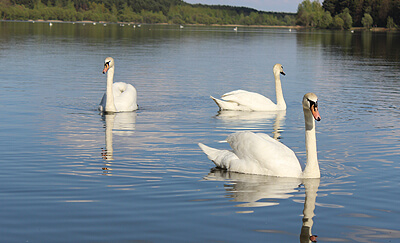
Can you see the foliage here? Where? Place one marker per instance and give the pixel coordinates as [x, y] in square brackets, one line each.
[347, 19]
[349, 13]
[367, 21]
[311, 14]
[140, 11]
[379, 10]
[338, 22]
[390, 23]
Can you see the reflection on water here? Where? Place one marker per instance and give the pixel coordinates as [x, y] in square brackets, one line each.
[382, 45]
[250, 189]
[262, 191]
[249, 120]
[122, 124]
[311, 189]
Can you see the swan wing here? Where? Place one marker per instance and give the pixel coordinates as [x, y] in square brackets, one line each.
[102, 104]
[249, 100]
[125, 97]
[261, 154]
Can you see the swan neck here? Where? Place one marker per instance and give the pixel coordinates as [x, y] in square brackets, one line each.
[312, 168]
[280, 102]
[110, 106]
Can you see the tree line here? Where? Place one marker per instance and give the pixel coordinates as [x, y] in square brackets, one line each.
[335, 14]
[344, 14]
[139, 11]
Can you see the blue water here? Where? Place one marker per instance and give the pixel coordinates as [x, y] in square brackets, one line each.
[72, 175]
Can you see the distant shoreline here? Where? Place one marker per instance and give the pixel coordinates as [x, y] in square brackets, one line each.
[135, 23]
[374, 29]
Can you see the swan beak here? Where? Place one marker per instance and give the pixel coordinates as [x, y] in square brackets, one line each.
[315, 112]
[106, 66]
[283, 73]
[313, 238]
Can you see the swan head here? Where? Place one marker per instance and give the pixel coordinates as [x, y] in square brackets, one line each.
[108, 63]
[310, 102]
[278, 69]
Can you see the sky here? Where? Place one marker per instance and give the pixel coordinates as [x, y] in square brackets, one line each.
[263, 5]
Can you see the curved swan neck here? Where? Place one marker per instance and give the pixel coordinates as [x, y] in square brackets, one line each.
[110, 106]
[280, 102]
[312, 167]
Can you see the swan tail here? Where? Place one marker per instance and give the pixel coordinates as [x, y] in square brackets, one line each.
[221, 158]
[211, 153]
[225, 105]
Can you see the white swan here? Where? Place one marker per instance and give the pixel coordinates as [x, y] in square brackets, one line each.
[119, 96]
[258, 153]
[241, 100]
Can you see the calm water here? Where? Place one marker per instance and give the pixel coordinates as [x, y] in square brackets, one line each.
[71, 175]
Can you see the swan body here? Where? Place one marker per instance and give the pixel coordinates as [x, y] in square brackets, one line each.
[258, 153]
[119, 96]
[241, 100]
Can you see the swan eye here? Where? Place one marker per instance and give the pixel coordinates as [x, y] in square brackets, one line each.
[313, 103]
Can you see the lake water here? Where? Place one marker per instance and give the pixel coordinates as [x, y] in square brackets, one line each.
[72, 175]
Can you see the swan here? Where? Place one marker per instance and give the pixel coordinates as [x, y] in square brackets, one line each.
[242, 100]
[258, 153]
[119, 96]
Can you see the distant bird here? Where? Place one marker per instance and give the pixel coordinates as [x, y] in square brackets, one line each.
[181, 26]
[352, 31]
[290, 30]
[235, 29]
[50, 24]
[241, 100]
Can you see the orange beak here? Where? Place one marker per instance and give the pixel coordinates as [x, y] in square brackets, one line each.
[315, 112]
[106, 66]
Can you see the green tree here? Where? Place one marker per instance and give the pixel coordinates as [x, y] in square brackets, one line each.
[311, 14]
[347, 19]
[379, 10]
[326, 20]
[337, 22]
[304, 13]
[390, 23]
[367, 21]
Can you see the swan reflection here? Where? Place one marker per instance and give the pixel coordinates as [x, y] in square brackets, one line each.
[260, 191]
[252, 120]
[121, 124]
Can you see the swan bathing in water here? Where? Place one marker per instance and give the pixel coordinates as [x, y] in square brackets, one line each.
[241, 100]
[258, 153]
[119, 96]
